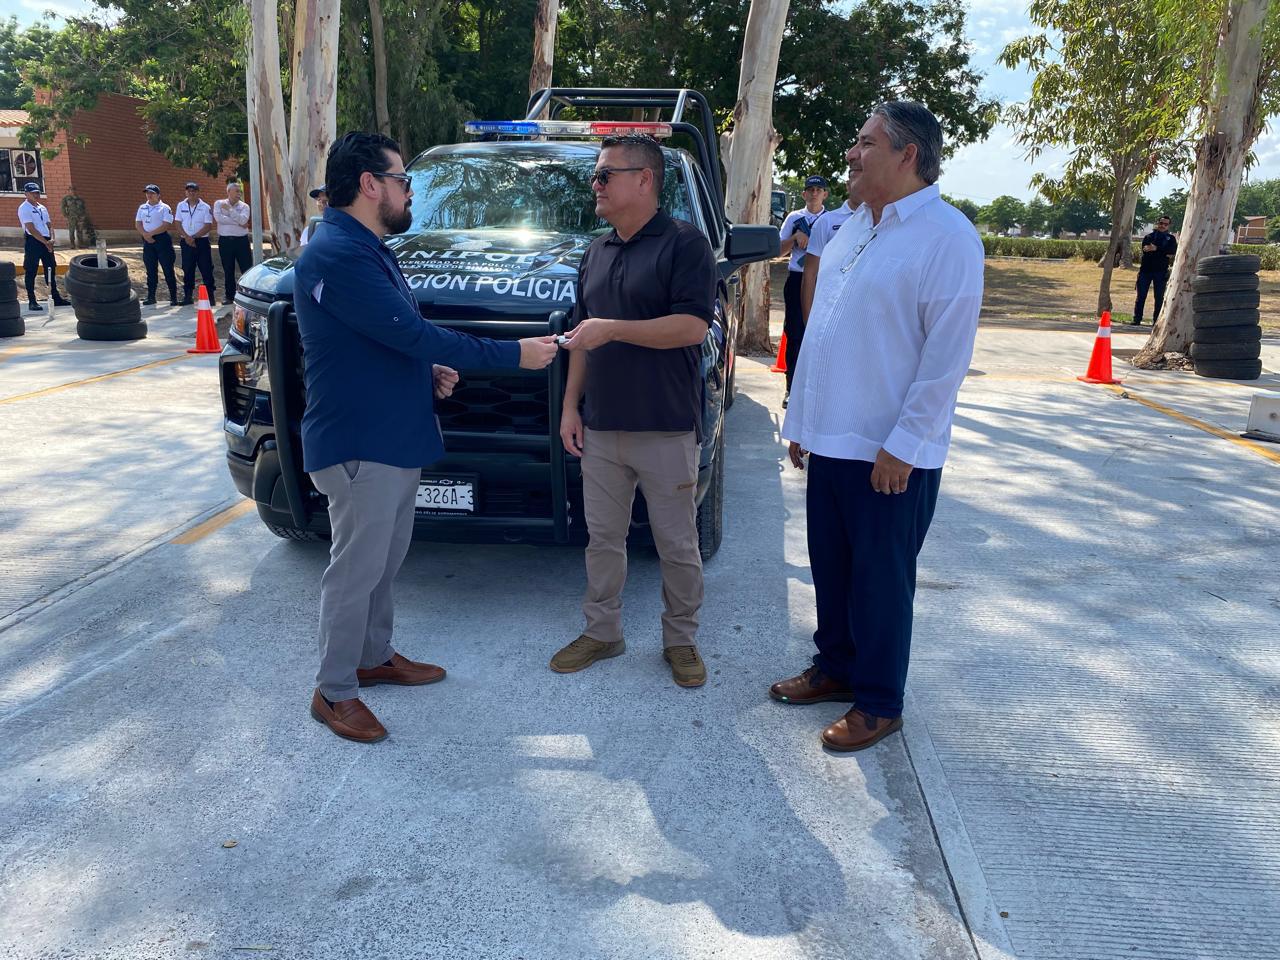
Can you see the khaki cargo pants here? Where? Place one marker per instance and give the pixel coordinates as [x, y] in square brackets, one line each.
[665, 465]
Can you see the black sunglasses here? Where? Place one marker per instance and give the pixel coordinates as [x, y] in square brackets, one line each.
[602, 175]
[405, 180]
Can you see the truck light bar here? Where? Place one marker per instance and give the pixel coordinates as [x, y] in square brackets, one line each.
[568, 128]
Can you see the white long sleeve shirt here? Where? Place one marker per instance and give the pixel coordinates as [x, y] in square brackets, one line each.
[890, 335]
[232, 219]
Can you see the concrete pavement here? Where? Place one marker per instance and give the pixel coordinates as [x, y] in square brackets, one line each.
[1087, 768]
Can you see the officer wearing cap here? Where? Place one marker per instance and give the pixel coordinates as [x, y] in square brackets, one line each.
[37, 236]
[153, 222]
[794, 233]
[195, 219]
[321, 196]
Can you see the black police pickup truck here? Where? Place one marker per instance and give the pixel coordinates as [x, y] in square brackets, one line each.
[499, 226]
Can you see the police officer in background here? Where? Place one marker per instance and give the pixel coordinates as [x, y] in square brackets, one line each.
[195, 219]
[37, 236]
[153, 220]
[794, 234]
[232, 217]
[321, 196]
[1158, 250]
[73, 210]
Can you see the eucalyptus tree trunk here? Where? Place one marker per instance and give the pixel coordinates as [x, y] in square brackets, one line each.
[544, 46]
[1130, 211]
[1124, 196]
[378, 41]
[748, 156]
[313, 113]
[266, 114]
[1232, 124]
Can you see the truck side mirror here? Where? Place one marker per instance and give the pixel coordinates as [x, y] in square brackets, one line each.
[748, 243]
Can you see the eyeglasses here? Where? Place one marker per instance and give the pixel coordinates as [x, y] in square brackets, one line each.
[602, 175]
[405, 180]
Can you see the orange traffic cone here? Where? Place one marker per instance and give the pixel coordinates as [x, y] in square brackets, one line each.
[780, 365]
[1100, 362]
[206, 332]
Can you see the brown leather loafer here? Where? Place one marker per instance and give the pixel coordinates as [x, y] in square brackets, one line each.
[349, 719]
[812, 686]
[403, 672]
[857, 731]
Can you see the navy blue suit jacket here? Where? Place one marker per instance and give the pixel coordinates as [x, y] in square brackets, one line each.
[368, 353]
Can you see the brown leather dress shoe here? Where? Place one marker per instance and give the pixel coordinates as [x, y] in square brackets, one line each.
[349, 719]
[403, 672]
[812, 686]
[857, 731]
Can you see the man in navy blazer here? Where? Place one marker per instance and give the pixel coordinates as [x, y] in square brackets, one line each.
[373, 366]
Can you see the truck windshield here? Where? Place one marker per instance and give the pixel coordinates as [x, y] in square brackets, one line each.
[518, 190]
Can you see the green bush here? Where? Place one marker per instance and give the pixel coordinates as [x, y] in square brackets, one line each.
[1034, 248]
[1095, 250]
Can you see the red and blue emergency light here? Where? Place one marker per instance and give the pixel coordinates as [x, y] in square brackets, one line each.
[568, 128]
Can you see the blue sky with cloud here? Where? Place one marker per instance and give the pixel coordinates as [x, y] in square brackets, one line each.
[981, 171]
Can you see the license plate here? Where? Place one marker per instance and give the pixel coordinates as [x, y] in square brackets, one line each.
[446, 495]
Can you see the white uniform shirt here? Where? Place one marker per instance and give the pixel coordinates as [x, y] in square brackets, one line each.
[153, 215]
[232, 219]
[826, 228]
[890, 335]
[788, 230]
[192, 217]
[36, 213]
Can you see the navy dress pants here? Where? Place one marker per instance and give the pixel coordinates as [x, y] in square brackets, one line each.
[862, 552]
[1145, 282]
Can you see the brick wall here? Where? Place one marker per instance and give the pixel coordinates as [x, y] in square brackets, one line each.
[110, 170]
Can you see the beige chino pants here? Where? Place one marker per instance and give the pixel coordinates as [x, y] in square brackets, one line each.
[665, 466]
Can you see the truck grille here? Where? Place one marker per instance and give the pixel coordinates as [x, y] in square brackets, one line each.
[497, 402]
[237, 398]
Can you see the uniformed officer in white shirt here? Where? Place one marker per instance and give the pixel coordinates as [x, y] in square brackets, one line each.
[153, 222]
[194, 218]
[37, 238]
[321, 196]
[823, 230]
[794, 236]
[232, 218]
[888, 345]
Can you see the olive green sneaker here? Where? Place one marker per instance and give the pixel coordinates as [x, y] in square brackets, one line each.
[583, 652]
[687, 668]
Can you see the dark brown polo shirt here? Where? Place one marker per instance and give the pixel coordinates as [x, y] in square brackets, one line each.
[667, 267]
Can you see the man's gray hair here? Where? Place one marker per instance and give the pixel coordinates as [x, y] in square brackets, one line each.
[906, 121]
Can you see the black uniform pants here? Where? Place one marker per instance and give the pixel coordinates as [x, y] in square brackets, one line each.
[1146, 280]
[159, 253]
[234, 253]
[862, 554]
[37, 257]
[201, 255]
[792, 321]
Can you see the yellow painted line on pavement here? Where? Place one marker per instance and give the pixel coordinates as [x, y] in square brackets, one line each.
[215, 523]
[98, 379]
[1249, 445]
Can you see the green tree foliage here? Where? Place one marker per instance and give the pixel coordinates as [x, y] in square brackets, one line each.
[18, 45]
[1078, 215]
[1259, 199]
[1174, 206]
[1002, 213]
[448, 60]
[1036, 216]
[885, 50]
[965, 206]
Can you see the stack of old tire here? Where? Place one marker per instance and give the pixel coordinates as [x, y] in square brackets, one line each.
[11, 322]
[104, 302]
[1227, 341]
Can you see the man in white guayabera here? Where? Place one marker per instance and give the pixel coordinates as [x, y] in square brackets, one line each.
[888, 344]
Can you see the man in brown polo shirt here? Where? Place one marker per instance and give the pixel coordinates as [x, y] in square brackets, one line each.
[646, 297]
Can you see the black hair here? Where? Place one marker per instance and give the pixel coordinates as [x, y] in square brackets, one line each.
[643, 151]
[351, 156]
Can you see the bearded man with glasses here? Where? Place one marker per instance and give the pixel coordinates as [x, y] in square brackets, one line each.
[646, 297]
[372, 365]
